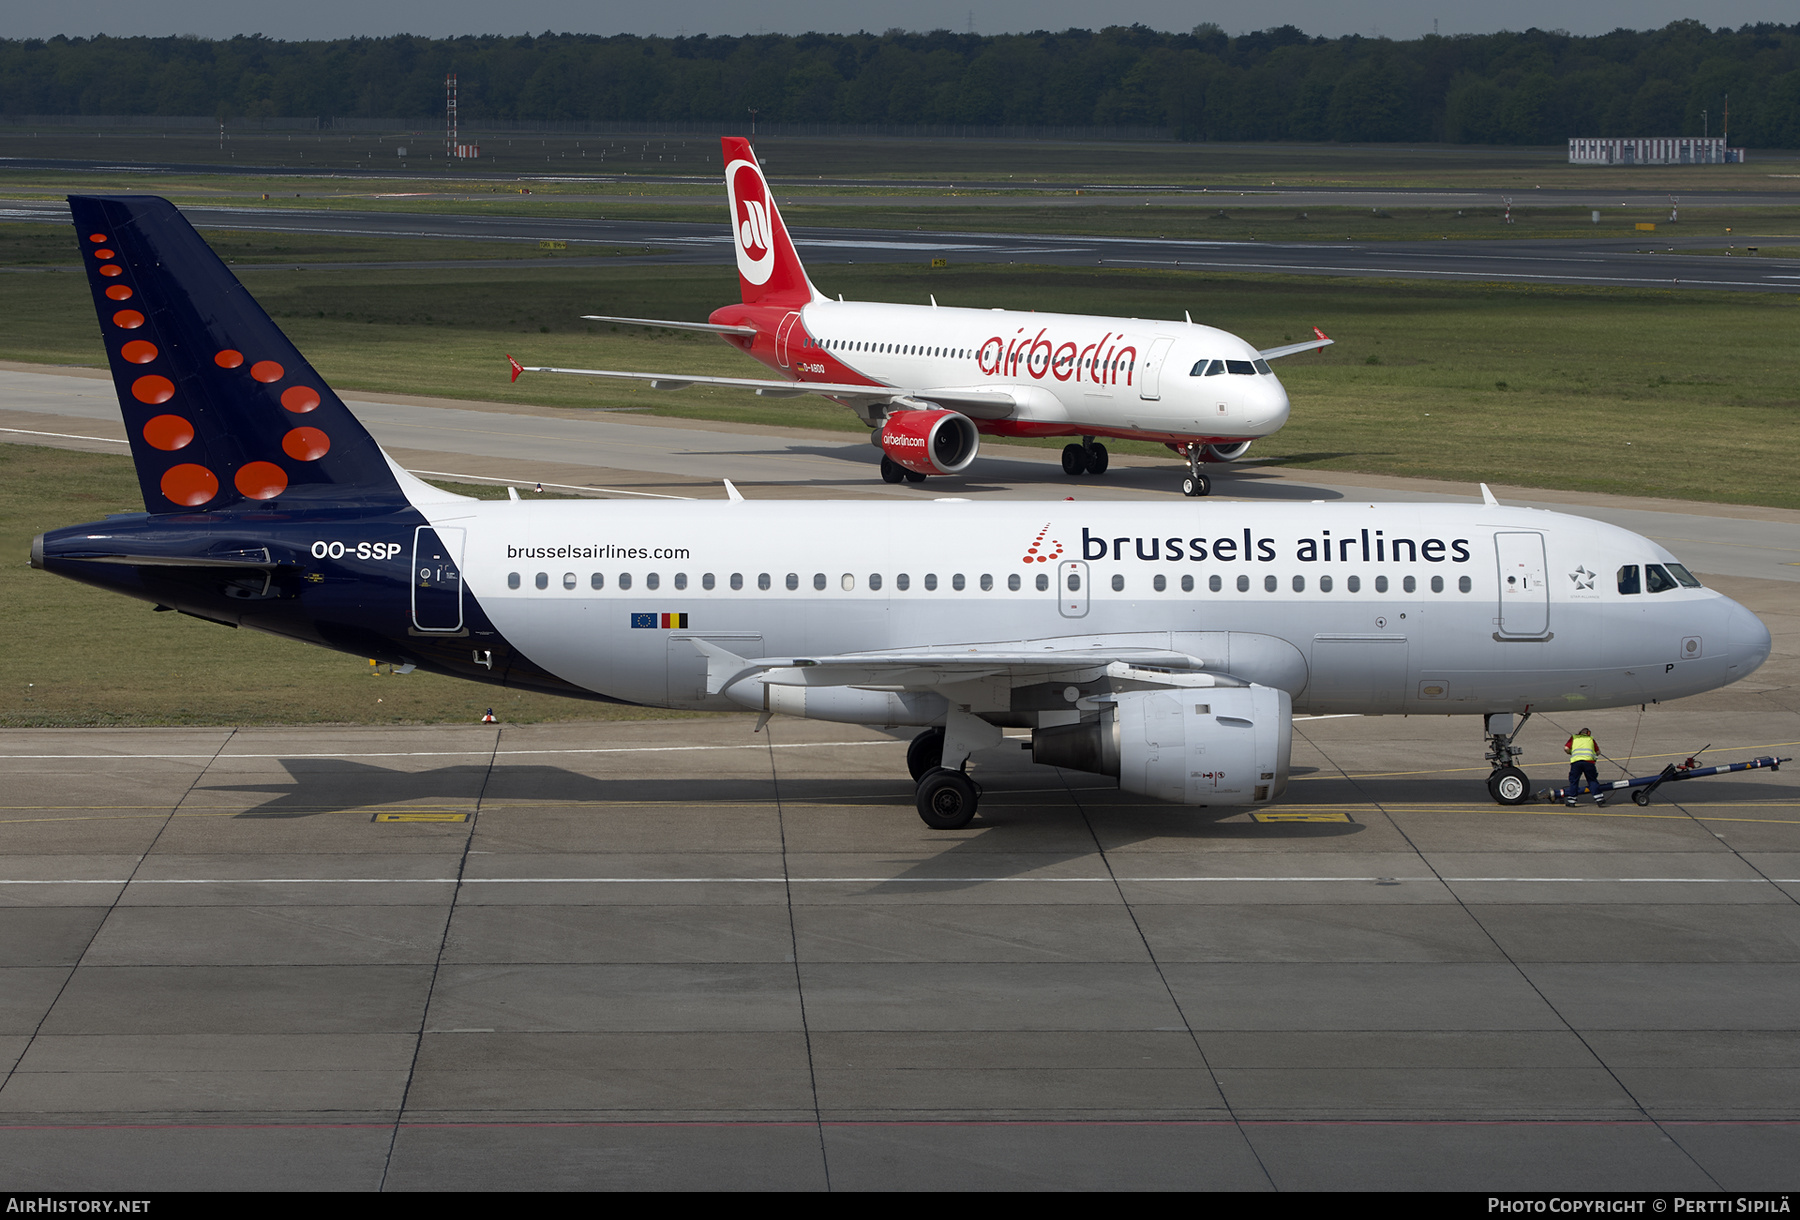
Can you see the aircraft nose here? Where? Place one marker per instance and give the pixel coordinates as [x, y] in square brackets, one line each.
[1747, 642]
[1274, 407]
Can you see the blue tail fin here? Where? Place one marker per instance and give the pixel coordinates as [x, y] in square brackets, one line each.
[222, 410]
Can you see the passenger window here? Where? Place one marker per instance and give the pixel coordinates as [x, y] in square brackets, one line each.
[793, 581]
[1118, 584]
[987, 583]
[1324, 584]
[1160, 583]
[819, 581]
[1465, 584]
[1628, 579]
[903, 582]
[874, 581]
[1187, 584]
[652, 581]
[737, 580]
[1437, 584]
[1657, 580]
[1043, 581]
[1410, 585]
[1269, 584]
[1013, 582]
[1299, 584]
[543, 580]
[931, 582]
[762, 581]
[1214, 584]
[681, 580]
[1381, 584]
[706, 581]
[568, 580]
[512, 580]
[1243, 584]
[957, 582]
[1074, 582]
[596, 581]
[624, 580]
[1354, 584]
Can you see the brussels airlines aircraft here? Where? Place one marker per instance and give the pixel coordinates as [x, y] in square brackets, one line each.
[928, 381]
[1167, 645]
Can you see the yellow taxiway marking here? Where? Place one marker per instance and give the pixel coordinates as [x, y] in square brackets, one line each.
[420, 817]
[1334, 816]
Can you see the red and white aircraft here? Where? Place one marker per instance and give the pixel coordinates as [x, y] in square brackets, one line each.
[929, 380]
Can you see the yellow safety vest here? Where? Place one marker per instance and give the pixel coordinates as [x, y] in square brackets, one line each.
[1582, 749]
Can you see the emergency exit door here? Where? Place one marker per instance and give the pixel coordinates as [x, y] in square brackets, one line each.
[1524, 584]
[1072, 588]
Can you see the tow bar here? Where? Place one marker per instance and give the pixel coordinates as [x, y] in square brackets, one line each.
[1643, 785]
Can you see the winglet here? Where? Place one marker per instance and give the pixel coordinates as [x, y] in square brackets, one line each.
[516, 369]
[1487, 497]
[1321, 334]
[732, 493]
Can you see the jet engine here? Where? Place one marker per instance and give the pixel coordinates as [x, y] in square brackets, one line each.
[1224, 453]
[930, 442]
[1196, 746]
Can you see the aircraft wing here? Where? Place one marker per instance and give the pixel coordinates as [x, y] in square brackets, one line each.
[1291, 349]
[985, 402]
[710, 327]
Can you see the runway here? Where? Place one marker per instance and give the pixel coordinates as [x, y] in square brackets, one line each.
[1598, 262]
[680, 955]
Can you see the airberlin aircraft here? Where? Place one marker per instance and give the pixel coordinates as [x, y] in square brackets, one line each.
[1165, 644]
[928, 380]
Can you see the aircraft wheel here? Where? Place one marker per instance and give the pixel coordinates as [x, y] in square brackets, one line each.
[1075, 460]
[891, 471]
[913, 476]
[1097, 460]
[1509, 786]
[925, 754]
[946, 799]
[1640, 798]
[1196, 485]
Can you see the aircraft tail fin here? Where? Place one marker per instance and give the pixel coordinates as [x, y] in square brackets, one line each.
[221, 408]
[769, 269]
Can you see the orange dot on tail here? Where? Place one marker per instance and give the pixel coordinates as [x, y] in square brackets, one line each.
[228, 359]
[111, 269]
[139, 351]
[128, 319]
[261, 480]
[306, 444]
[96, 237]
[153, 389]
[266, 371]
[169, 432]
[189, 485]
[105, 254]
[118, 292]
[299, 399]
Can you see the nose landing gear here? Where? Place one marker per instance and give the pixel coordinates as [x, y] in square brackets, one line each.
[1196, 484]
[1506, 783]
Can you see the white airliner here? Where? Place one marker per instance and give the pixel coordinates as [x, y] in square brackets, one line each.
[1166, 644]
[928, 380]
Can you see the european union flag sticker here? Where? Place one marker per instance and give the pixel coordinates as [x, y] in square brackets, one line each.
[643, 620]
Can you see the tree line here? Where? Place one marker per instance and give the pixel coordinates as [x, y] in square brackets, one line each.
[1535, 87]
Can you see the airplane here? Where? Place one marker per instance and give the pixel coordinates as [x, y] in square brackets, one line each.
[1166, 645]
[928, 381]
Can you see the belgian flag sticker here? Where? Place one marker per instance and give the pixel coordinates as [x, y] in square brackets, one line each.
[652, 620]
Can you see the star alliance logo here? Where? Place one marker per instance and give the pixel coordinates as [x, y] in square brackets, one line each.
[1583, 578]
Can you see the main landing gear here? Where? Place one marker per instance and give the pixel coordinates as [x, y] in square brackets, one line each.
[1196, 484]
[1085, 458]
[946, 798]
[1505, 783]
[894, 472]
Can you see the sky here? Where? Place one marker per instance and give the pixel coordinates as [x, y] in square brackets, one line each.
[322, 19]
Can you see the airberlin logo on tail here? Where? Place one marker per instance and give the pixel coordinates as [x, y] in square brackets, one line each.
[754, 221]
[1041, 551]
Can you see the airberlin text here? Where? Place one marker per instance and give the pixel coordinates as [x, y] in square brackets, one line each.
[1364, 546]
[1102, 362]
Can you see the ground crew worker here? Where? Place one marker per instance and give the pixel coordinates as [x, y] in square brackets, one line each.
[1582, 750]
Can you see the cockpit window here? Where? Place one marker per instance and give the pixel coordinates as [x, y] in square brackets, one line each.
[1262, 366]
[1683, 575]
[1207, 368]
[1242, 368]
[1628, 579]
[1657, 578]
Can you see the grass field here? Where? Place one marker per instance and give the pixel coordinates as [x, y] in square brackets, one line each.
[82, 656]
[1688, 395]
[41, 245]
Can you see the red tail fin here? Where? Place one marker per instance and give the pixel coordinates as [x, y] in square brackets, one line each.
[769, 270]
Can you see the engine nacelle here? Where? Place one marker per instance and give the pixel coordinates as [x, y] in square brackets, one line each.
[1202, 746]
[1224, 453]
[930, 442]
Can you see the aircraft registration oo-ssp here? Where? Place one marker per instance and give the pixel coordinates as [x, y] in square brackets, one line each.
[929, 381]
[1167, 645]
